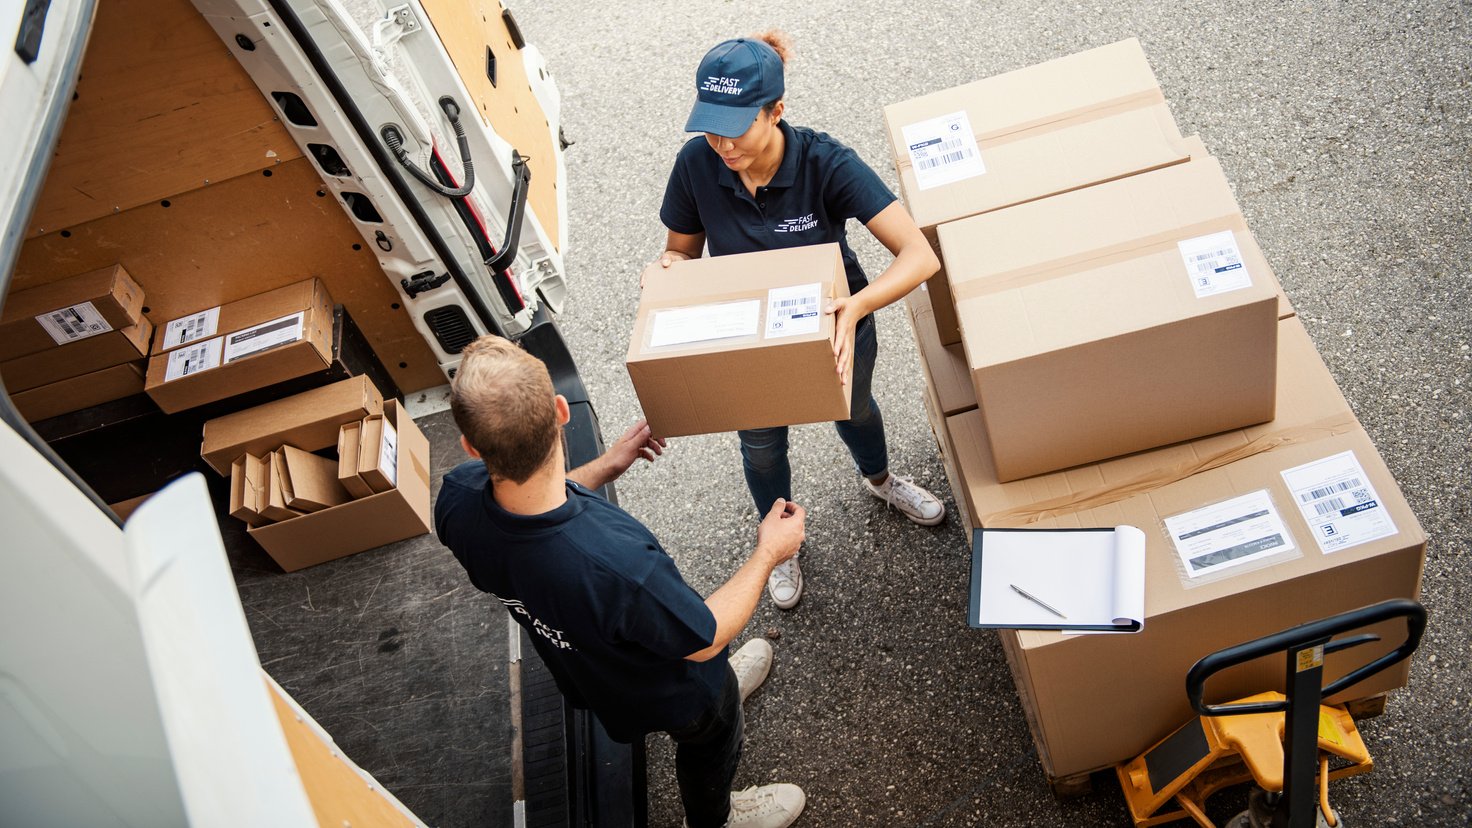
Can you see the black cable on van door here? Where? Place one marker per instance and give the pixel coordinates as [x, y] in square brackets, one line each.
[395, 142]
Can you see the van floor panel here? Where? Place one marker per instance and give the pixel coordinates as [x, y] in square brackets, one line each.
[397, 656]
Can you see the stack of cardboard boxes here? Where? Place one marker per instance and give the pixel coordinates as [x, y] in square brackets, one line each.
[74, 343]
[1107, 345]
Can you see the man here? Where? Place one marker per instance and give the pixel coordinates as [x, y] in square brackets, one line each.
[621, 632]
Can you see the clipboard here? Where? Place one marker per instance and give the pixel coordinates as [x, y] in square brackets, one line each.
[1079, 580]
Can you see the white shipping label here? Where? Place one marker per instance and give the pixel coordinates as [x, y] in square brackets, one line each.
[943, 150]
[388, 453]
[263, 337]
[794, 310]
[1227, 534]
[1339, 502]
[73, 323]
[701, 323]
[189, 328]
[1214, 264]
[191, 359]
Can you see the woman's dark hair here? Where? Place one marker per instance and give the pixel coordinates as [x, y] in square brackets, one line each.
[781, 43]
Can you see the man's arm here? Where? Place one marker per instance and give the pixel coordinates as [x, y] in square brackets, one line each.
[638, 441]
[777, 539]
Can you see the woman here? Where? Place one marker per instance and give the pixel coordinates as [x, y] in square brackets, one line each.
[756, 183]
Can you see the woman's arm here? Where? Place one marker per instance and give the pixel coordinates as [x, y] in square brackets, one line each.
[677, 247]
[914, 262]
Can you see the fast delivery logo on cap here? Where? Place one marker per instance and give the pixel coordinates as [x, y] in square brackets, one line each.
[722, 86]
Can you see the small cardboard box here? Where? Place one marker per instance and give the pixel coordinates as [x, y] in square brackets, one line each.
[310, 484]
[249, 488]
[347, 460]
[273, 506]
[1057, 126]
[308, 420]
[65, 311]
[105, 350]
[736, 342]
[276, 336]
[366, 523]
[378, 450]
[1114, 319]
[77, 393]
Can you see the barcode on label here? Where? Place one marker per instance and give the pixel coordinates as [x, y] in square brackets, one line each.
[76, 322]
[1330, 506]
[951, 152]
[192, 359]
[1333, 488]
[792, 303]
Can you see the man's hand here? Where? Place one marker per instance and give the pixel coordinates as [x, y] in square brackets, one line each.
[782, 531]
[636, 442]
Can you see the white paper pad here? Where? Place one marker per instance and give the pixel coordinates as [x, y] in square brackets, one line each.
[1094, 577]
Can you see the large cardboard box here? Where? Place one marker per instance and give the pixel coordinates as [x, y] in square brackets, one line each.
[274, 336]
[735, 342]
[94, 353]
[1057, 126]
[309, 421]
[1114, 319]
[81, 392]
[365, 523]
[65, 311]
[1065, 680]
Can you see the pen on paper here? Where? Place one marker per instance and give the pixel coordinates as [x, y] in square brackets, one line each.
[1036, 600]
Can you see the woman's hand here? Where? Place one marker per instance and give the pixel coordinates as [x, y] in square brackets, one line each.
[678, 247]
[847, 311]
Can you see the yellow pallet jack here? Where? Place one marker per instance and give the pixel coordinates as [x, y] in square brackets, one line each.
[1278, 741]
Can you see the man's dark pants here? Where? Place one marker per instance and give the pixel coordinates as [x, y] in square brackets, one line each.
[707, 752]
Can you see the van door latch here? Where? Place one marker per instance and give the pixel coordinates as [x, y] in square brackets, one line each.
[423, 282]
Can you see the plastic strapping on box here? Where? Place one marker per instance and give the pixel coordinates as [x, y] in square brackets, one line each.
[1096, 496]
[995, 137]
[971, 288]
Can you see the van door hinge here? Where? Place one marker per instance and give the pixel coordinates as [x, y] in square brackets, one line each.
[398, 24]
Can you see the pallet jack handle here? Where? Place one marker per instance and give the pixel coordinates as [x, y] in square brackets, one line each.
[1305, 647]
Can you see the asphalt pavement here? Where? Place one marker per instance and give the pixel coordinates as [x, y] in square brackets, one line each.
[1343, 127]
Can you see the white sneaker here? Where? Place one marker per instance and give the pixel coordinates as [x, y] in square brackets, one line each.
[785, 584]
[751, 664]
[769, 806]
[904, 494]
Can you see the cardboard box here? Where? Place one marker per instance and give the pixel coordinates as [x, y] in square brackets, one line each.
[310, 481]
[105, 350]
[308, 420]
[276, 336]
[947, 376]
[249, 488]
[65, 311]
[81, 392]
[125, 508]
[1057, 126]
[347, 460]
[378, 449]
[385, 517]
[1114, 319]
[273, 505]
[772, 364]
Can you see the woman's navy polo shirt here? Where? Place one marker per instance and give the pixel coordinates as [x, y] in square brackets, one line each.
[820, 185]
[602, 602]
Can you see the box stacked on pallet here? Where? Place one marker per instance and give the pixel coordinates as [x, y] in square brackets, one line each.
[1127, 356]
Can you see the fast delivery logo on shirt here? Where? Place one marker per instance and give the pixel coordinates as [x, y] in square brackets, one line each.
[796, 225]
[722, 86]
[552, 635]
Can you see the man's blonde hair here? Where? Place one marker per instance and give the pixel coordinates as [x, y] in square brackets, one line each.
[502, 400]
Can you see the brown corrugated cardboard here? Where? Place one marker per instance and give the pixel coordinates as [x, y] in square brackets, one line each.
[273, 505]
[1139, 679]
[308, 420]
[74, 359]
[1114, 319]
[947, 377]
[81, 392]
[312, 481]
[125, 508]
[1309, 405]
[365, 523]
[249, 485]
[772, 369]
[378, 447]
[275, 336]
[347, 460]
[1068, 123]
[75, 308]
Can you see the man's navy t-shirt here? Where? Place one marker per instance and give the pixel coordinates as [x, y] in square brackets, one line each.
[603, 603]
[819, 186]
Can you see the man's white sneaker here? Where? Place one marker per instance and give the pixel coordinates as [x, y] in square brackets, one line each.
[769, 806]
[751, 664]
[785, 584]
[904, 494]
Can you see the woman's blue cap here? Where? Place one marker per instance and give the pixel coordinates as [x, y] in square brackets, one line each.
[735, 80]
